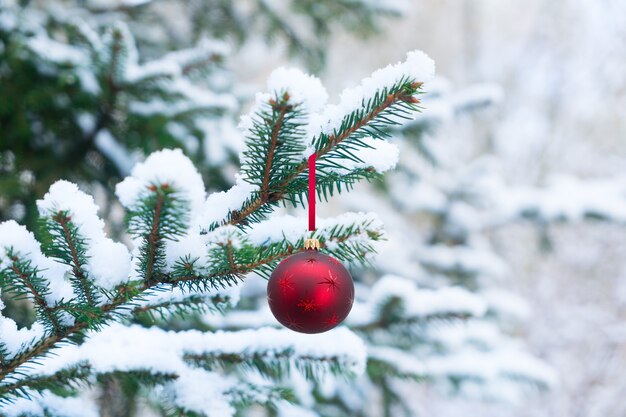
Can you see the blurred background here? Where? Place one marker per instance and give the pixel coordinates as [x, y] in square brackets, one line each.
[510, 182]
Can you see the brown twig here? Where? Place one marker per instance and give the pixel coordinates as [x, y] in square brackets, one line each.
[63, 221]
[37, 297]
[153, 238]
[263, 199]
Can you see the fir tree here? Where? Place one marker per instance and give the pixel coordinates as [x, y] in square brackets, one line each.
[98, 85]
[190, 252]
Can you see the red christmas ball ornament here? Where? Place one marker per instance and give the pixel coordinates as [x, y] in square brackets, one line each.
[310, 292]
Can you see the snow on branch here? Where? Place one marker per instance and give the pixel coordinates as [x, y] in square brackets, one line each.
[394, 300]
[121, 348]
[492, 367]
[568, 199]
[13, 341]
[462, 260]
[164, 196]
[197, 245]
[220, 257]
[49, 404]
[467, 194]
[18, 245]
[289, 124]
[77, 237]
[391, 361]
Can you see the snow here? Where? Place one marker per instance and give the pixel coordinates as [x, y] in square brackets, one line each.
[505, 303]
[189, 96]
[468, 260]
[108, 262]
[291, 229]
[375, 153]
[204, 50]
[218, 205]
[16, 340]
[405, 363]
[46, 403]
[123, 348]
[56, 52]
[8, 21]
[306, 92]
[221, 139]
[302, 88]
[293, 410]
[484, 334]
[417, 66]
[476, 96]
[23, 244]
[168, 166]
[569, 199]
[425, 197]
[191, 246]
[168, 294]
[562, 198]
[104, 4]
[198, 390]
[115, 152]
[492, 365]
[278, 228]
[192, 97]
[417, 302]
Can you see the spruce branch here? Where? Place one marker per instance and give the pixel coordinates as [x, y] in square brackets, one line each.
[262, 262]
[382, 110]
[24, 387]
[272, 364]
[76, 245]
[24, 279]
[194, 303]
[166, 205]
[160, 215]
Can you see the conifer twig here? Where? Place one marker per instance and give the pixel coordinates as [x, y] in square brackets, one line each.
[63, 220]
[400, 96]
[37, 296]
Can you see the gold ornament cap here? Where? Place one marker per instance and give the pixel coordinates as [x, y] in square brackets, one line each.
[311, 244]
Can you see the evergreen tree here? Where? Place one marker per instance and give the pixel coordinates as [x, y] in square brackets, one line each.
[98, 85]
[428, 306]
[180, 324]
[190, 251]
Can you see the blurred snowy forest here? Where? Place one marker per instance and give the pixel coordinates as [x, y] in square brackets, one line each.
[501, 287]
[561, 68]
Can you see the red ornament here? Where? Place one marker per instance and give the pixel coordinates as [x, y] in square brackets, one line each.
[310, 292]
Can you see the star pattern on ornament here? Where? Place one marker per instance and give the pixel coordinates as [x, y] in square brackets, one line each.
[311, 261]
[350, 303]
[335, 261]
[286, 284]
[291, 323]
[332, 321]
[308, 304]
[332, 284]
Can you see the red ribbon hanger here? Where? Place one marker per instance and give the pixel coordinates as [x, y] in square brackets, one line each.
[312, 192]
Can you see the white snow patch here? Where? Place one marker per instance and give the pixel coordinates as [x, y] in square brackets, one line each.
[23, 243]
[417, 66]
[302, 88]
[378, 154]
[218, 205]
[108, 262]
[168, 166]
[46, 403]
[16, 340]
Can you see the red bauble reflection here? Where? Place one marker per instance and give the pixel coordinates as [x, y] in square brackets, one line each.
[310, 292]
